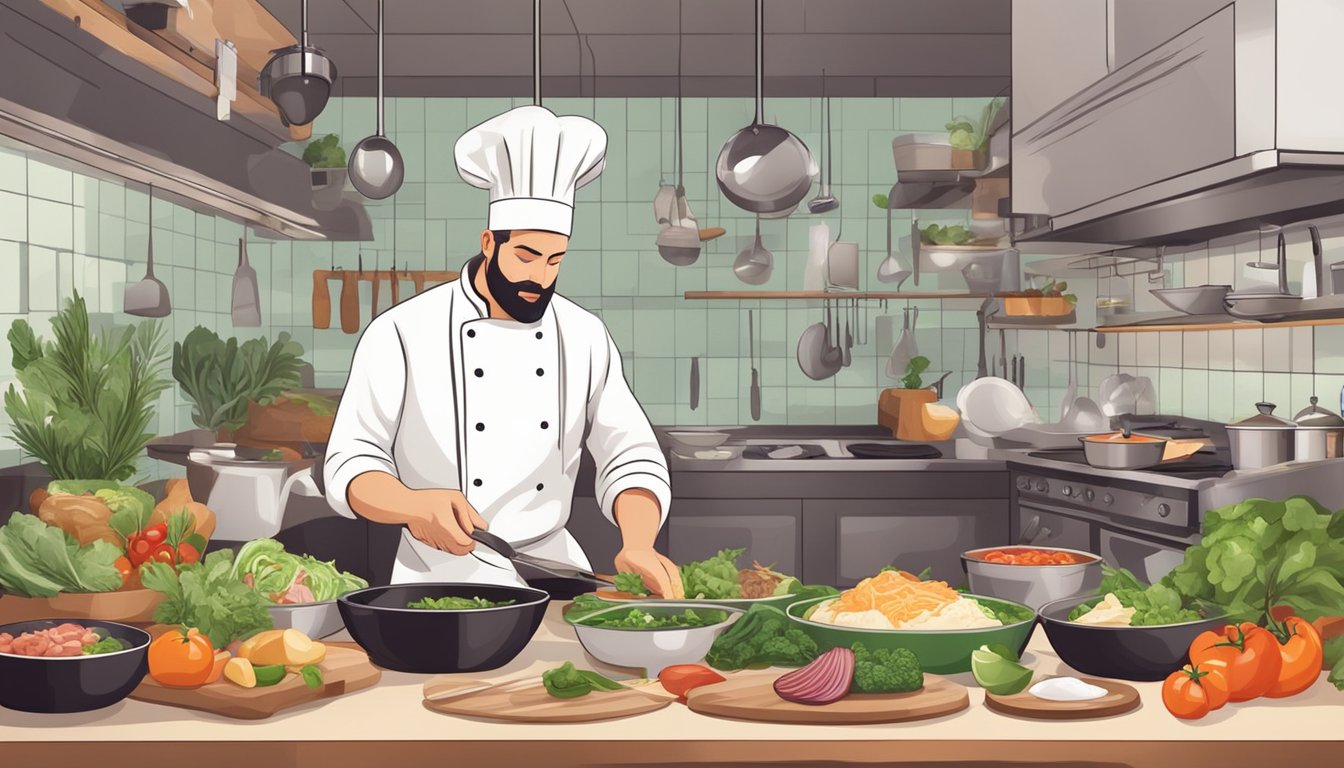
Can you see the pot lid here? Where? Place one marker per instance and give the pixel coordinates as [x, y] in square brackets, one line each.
[1316, 416]
[1265, 419]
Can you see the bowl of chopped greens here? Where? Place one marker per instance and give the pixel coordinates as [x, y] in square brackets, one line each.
[1128, 630]
[443, 628]
[718, 581]
[648, 635]
[70, 665]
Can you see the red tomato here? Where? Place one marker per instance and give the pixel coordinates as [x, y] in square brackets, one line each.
[1247, 655]
[681, 679]
[187, 554]
[155, 534]
[162, 554]
[1301, 653]
[1191, 693]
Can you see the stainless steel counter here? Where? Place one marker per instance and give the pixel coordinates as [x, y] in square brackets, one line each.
[833, 440]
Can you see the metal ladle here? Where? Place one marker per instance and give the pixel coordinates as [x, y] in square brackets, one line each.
[825, 201]
[376, 168]
[754, 264]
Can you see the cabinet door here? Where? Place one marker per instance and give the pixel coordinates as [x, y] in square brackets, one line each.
[1059, 48]
[849, 540]
[1139, 26]
[770, 531]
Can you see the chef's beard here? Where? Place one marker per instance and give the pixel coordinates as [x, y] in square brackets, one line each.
[505, 292]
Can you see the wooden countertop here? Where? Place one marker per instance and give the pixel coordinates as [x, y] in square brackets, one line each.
[387, 725]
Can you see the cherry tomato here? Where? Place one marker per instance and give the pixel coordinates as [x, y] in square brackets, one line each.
[181, 658]
[681, 679]
[162, 554]
[155, 534]
[124, 567]
[187, 554]
[1191, 693]
[1247, 655]
[1301, 653]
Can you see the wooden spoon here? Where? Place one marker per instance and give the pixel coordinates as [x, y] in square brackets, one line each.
[350, 298]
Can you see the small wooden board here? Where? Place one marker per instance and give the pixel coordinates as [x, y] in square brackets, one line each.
[1120, 699]
[343, 671]
[753, 697]
[533, 704]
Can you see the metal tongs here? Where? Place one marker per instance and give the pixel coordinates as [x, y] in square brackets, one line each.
[548, 567]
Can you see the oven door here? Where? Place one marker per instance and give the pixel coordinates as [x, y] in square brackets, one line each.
[1148, 559]
[1042, 528]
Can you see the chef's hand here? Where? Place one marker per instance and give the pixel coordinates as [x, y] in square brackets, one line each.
[443, 519]
[660, 574]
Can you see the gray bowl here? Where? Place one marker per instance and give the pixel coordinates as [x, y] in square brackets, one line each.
[1032, 585]
[1195, 300]
[652, 649]
[316, 620]
[687, 442]
[1263, 306]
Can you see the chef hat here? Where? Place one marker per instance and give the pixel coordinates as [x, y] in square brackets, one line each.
[532, 162]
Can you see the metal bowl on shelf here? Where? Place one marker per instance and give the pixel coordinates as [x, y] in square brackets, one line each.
[1266, 307]
[1195, 300]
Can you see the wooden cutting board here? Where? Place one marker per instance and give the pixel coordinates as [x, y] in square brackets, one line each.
[753, 697]
[1120, 699]
[344, 671]
[532, 704]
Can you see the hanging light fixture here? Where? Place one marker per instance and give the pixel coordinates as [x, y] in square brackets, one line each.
[298, 78]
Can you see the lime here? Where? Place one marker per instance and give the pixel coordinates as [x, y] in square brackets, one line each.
[998, 675]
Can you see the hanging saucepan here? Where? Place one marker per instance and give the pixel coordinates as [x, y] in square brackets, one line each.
[298, 78]
[1262, 440]
[764, 169]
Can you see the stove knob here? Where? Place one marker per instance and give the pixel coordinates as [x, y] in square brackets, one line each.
[1068, 490]
[1163, 510]
[1024, 483]
[1108, 499]
[1089, 494]
[1042, 486]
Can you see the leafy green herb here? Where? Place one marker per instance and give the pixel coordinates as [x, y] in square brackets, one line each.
[966, 133]
[881, 201]
[1154, 605]
[38, 560]
[456, 603]
[951, 235]
[763, 637]
[631, 584]
[131, 509]
[105, 645]
[1004, 612]
[222, 377]
[913, 369]
[87, 399]
[569, 682]
[312, 676]
[206, 595]
[80, 487]
[325, 152]
[636, 618]
[804, 592]
[713, 579]
[886, 670]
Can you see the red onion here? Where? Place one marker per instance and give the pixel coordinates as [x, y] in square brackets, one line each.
[823, 681]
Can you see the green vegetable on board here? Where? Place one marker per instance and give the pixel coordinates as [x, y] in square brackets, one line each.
[312, 676]
[38, 560]
[273, 570]
[997, 669]
[763, 637]
[85, 401]
[206, 595]
[456, 603]
[222, 377]
[270, 674]
[569, 682]
[886, 670]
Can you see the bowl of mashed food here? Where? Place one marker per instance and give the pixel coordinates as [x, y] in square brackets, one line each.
[896, 609]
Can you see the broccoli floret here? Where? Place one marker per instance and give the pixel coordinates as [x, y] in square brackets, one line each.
[763, 637]
[884, 670]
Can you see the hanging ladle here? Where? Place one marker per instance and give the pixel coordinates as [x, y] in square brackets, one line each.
[376, 168]
[149, 297]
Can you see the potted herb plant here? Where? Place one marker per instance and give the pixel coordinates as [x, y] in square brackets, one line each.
[911, 411]
[326, 159]
[223, 378]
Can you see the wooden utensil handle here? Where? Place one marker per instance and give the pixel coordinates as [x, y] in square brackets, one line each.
[396, 286]
[321, 301]
[350, 302]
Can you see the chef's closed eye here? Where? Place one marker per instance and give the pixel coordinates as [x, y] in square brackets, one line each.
[528, 255]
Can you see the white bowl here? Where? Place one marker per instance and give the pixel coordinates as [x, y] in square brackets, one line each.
[994, 406]
[687, 442]
[652, 649]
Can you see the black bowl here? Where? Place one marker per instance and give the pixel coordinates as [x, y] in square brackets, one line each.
[1127, 653]
[73, 683]
[435, 642]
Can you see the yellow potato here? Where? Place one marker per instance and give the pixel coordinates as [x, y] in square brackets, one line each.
[263, 642]
[240, 671]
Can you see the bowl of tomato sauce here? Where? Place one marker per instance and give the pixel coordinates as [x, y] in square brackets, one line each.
[1031, 575]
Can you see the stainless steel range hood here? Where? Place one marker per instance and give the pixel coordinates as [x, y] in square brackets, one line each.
[1225, 126]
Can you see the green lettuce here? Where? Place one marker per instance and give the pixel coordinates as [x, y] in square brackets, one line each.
[38, 560]
[206, 595]
[273, 570]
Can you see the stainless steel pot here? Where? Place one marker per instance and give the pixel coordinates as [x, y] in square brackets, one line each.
[1262, 440]
[1110, 454]
[1319, 434]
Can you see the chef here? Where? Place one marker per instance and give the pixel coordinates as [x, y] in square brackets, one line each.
[468, 405]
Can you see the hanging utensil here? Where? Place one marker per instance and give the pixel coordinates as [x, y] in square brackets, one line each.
[376, 168]
[149, 296]
[754, 263]
[373, 306]
[755, 394]
[679, 240]
[764, 169]
[695, 383]
[848, 351]
[892, 270]
[350, 297]
[245, 308]
[298, 79]
[825, 201]
[1003, 352]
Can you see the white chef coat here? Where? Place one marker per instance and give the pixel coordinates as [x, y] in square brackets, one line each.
[442, 396]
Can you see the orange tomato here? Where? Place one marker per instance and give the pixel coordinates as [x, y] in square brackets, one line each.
[1301, 653]
[1247, 655]
[130, 575]
[681, 679]
[217, 667]
[182, 658]
[1191, 693]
